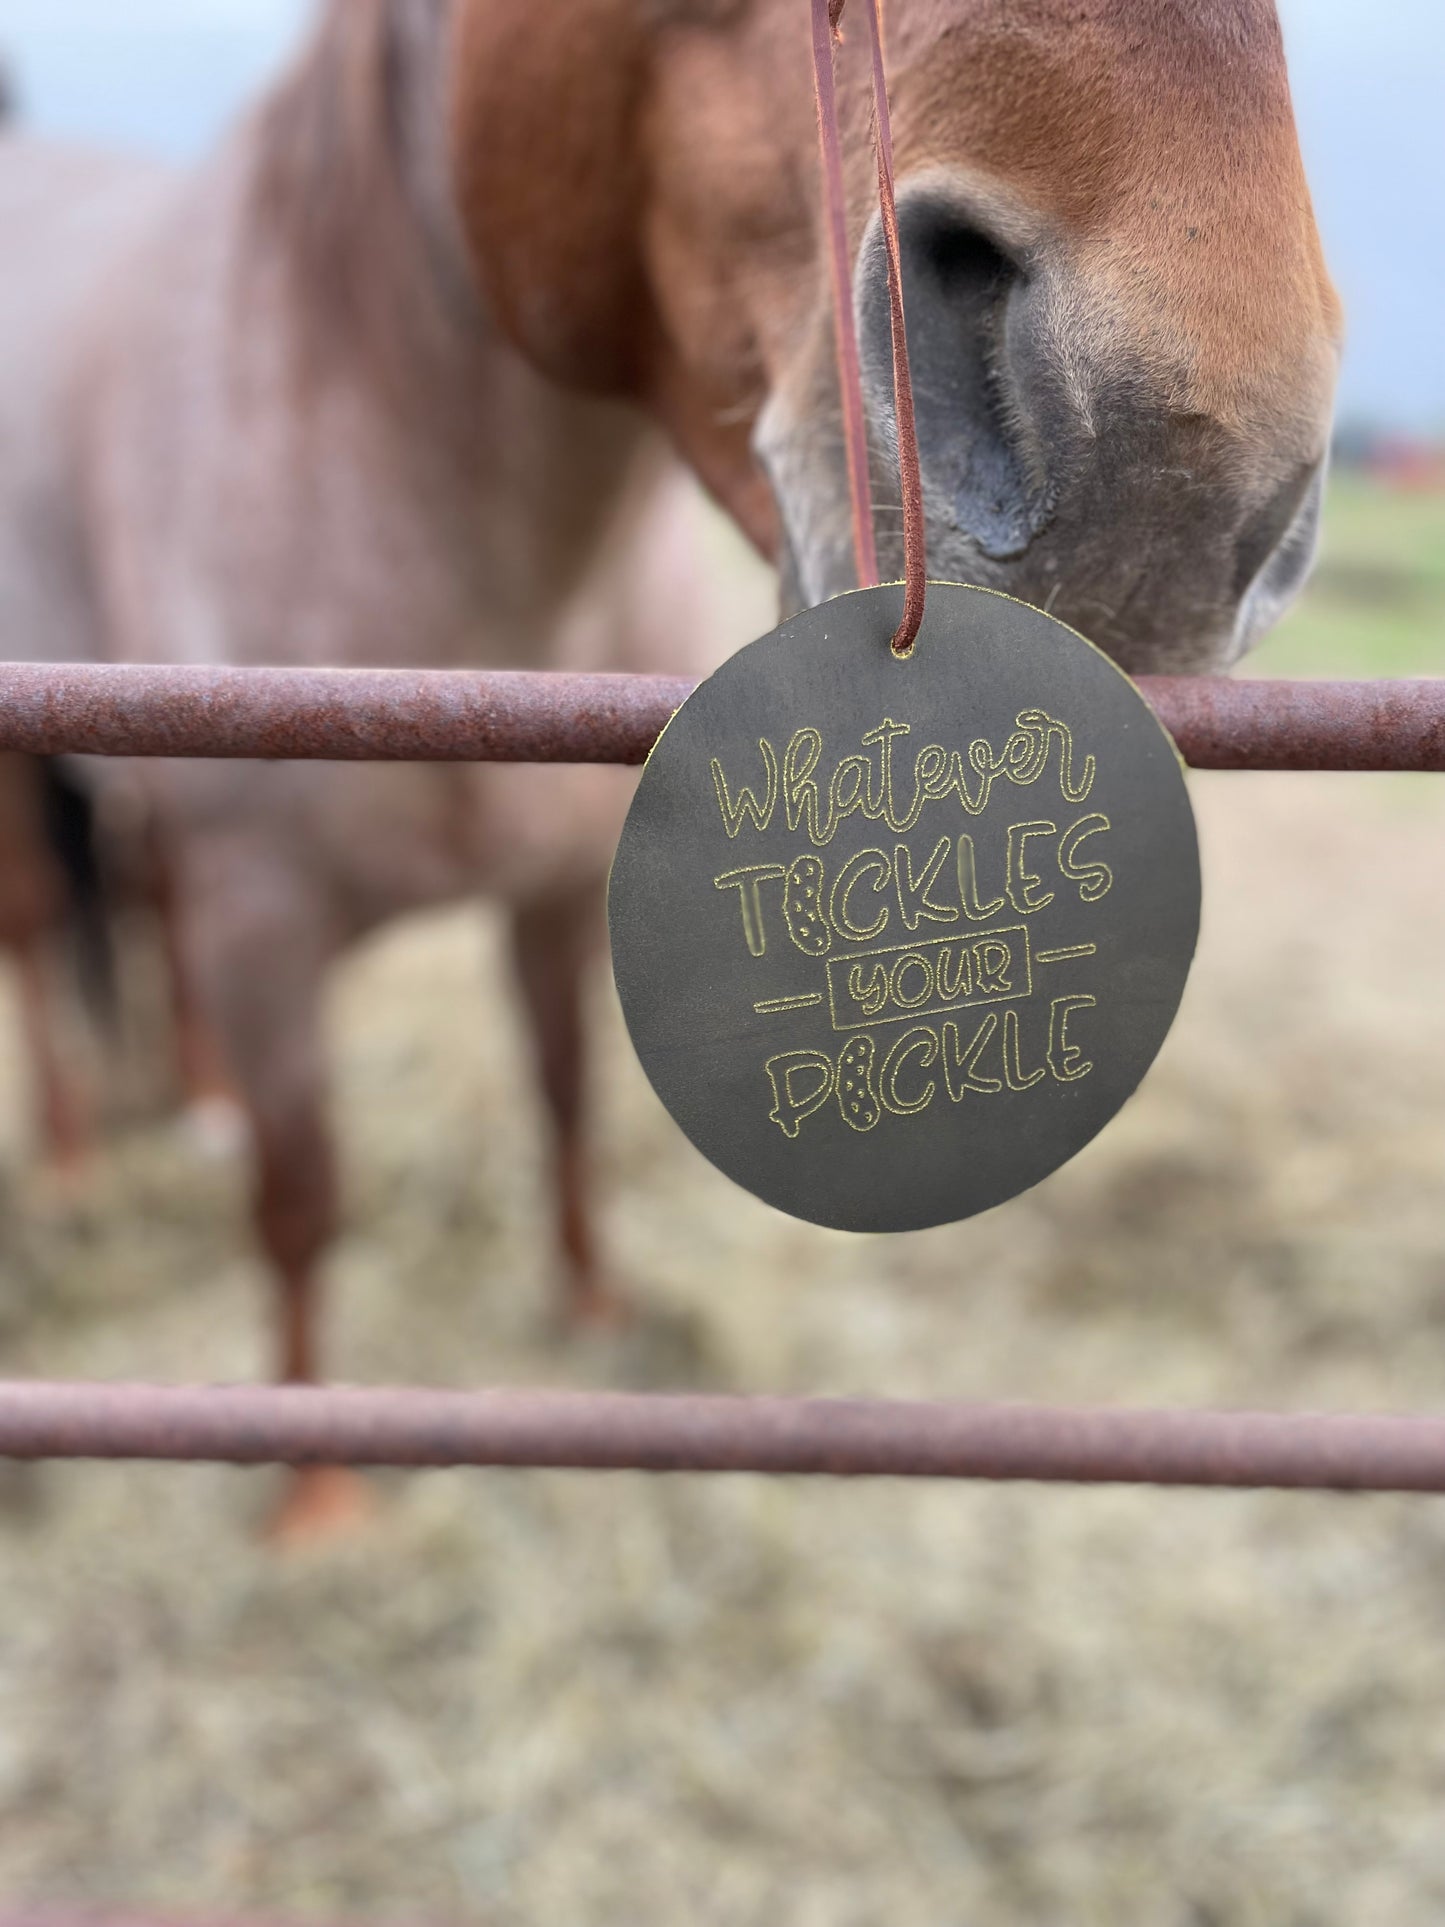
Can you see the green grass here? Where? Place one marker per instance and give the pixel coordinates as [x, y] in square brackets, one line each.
[1376, 604]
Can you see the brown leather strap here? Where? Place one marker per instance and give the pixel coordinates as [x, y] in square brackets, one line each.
[910, 475]
[826, 14]
[845, 332]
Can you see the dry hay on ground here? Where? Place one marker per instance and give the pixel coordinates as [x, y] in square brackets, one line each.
[541, 1698]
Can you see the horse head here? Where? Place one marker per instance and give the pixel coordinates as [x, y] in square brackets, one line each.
[1123, 335]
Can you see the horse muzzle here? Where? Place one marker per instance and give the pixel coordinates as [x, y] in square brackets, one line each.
[1057, 463]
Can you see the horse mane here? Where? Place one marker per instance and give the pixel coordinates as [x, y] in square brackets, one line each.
[335, 191]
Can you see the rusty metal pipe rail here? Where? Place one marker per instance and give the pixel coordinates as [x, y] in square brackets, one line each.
[401, 715]
[340, 715]
[845, 1438]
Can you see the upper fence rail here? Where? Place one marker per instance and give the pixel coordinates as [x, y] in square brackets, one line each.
[517, 716]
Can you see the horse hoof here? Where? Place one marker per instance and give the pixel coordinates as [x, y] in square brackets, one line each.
[322, 1502]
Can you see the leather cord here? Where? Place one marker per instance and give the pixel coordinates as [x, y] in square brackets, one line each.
[826, 15]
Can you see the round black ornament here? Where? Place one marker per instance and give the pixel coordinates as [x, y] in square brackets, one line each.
[896, 937]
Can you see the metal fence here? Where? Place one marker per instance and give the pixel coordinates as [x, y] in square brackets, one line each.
[404, 715]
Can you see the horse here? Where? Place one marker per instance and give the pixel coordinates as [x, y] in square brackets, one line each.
[33, 922]
[50, 903]
[406, 370]
[66, 876]
[32, 901]
[72, 876]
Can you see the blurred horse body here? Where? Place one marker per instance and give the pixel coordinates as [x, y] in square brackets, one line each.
[73, 222]
[32, 920]
[325, 405]
[64, 874]
[236, 459]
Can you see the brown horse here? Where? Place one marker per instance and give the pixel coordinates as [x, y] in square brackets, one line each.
[34, 899]
[32, 925]
[380, 383]
[67, 883]
[1124, 340]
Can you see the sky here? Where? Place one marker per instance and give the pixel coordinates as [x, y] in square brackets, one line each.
[1369, 82]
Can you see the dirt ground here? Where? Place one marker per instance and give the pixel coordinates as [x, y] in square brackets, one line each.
[522, 1698]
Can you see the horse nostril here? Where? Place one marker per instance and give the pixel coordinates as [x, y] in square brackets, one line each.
[940, 242]
[957, 281]
[1276, 555]
[1283, 531]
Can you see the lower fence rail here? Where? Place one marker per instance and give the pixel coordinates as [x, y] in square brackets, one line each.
[655, 1432]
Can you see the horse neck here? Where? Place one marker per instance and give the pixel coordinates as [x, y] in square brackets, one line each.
[351, 197]
[353, 287]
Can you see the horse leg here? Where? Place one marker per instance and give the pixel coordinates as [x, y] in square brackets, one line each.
[552, 941]
[65, 1121]
[255, 947]
[32, 898]
[206, 1087]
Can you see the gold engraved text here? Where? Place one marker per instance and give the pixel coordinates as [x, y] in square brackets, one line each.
[1095, 879]
[861, 864]
[922, 1044]
[1015, 1076]
[746, 807]
[983, 1061]
[858, 902]
[914, 902]
[803, 906]
[1025, 887]
[960, 1063]
[746, 882]
[870, 782]
[1066, 1060]
[928, 978]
